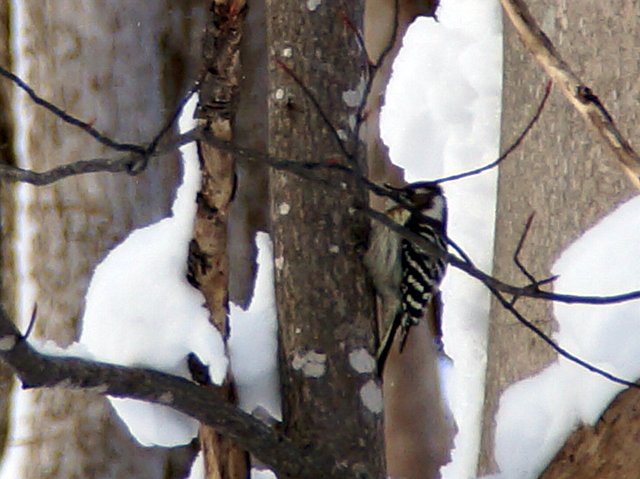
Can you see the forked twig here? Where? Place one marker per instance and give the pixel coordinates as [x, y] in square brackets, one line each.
[534, 283]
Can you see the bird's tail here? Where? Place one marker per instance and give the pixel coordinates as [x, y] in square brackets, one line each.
[387, 342]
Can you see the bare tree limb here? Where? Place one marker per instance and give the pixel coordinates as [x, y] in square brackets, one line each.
[578, 94]
[137, 158]
[37, 370]
[70, 119]
[306, 170]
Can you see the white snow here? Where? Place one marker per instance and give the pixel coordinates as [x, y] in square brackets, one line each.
[262, 474]
[141, 311]
[197, 468]
[253, 342]
[442, 116]
[536, 415]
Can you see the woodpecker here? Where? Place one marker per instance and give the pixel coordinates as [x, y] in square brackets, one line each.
[406, 276]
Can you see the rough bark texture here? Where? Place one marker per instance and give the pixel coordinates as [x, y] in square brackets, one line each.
[608, 450]
[418, 429]
[223, 459]
[560, 172]
[7, 215]
[122, 66]
[325, 305]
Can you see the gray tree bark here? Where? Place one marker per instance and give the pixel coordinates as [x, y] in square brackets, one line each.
[325, 305]
[560, 172]
[121, 66]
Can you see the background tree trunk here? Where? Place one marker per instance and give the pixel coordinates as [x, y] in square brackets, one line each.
[7, 217]
[325, 305]
[560, 173]
[120, 65]
[608, 450]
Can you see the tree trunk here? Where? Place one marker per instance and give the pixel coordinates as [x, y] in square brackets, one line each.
[218, 96]
[8, 206]
[121, 66]
[608, 450]
[325, 305]
[559, 172]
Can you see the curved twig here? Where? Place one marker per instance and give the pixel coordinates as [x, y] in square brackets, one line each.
[509, 150]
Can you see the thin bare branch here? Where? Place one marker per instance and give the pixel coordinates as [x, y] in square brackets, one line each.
[516, 254]
[351, 26]
[32, 322]
[579, 95]
[153, 144]
[516, 259]
[306, 170]
[323, 115]
[128, 163]
[375, 65]
[67, 118]
[511, 148]
[372, 69]
[95, 165]
[560, 350]
[510, 306]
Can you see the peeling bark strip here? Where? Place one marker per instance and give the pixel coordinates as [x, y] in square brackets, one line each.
[210, 265]
[219, 87]
[325, 305]
[588, 105]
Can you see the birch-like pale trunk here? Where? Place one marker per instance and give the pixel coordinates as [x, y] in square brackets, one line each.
[121, 66]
